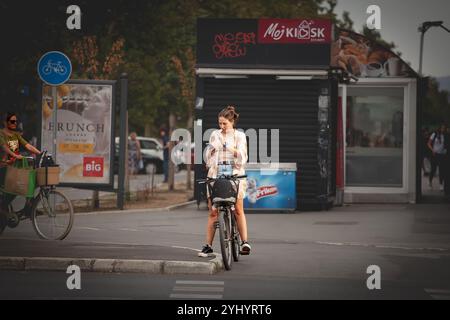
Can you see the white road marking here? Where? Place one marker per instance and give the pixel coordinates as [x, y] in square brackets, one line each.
[439, 294]
[195, 296]
[177, 247]
[355, 244]
[87, 228]
[215, 283]
[128, 229]
[199, 289]
[186, 289]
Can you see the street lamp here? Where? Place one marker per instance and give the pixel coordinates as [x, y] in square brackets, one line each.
[424, 28]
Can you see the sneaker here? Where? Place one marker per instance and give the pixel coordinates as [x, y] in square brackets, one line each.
[206, 251]
[245, 248]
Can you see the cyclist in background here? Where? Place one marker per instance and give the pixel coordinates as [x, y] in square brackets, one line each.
[10, 142]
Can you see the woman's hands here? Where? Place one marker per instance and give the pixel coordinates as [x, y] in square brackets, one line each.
[32, 149]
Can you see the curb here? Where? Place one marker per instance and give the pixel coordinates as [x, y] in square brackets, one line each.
[170, 208]
[112, 265]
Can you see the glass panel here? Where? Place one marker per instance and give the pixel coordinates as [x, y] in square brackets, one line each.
[374, 137]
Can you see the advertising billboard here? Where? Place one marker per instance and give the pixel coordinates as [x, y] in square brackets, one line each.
[84, 131]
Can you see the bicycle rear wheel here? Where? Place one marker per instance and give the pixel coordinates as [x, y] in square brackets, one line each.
[225, 232]
[52, 215]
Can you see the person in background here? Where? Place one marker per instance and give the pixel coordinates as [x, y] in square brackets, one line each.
[436, 144]
[446, 164]
[134, 154]
[10, 142]
[165, 142]
[425, 151]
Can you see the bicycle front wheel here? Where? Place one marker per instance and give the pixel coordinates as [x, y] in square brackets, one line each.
[225, 232]
[236, 240]
[52, 215]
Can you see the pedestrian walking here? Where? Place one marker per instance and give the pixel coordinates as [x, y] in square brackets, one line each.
[446, 164]
[436, 144]
[425, 152]
[134, 154]
[165, 142]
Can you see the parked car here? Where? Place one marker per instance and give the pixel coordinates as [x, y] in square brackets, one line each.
[152, 155]
[179, 157]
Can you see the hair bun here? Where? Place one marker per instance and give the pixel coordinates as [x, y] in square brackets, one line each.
[233, 110]
[229, 112]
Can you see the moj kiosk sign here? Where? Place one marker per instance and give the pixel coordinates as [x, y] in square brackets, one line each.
[294, 31]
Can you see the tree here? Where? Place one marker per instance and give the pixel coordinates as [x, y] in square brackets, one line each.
[436, 108]
[186, 76]
[92, 63]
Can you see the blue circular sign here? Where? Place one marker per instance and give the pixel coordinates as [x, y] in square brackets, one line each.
[54, 68]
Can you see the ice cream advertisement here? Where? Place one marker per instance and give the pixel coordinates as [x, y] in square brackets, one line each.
[83, 131]
[275, 191]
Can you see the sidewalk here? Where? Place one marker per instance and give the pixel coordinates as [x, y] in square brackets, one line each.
[20, 254]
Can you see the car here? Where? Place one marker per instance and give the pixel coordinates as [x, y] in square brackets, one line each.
[152, 155]
[180, 159]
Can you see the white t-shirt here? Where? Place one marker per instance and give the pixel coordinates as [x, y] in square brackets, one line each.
[438, 145]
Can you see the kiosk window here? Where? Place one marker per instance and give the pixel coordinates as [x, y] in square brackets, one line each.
[374, 137]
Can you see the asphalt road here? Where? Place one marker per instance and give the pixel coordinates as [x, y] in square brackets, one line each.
[309, 255]
[226, 286]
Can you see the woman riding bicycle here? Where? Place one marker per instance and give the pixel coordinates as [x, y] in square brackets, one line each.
[230, 145]
[10, 142]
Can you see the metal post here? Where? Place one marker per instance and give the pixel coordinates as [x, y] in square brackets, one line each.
[55, 120]
[123, 139]
[422, 30]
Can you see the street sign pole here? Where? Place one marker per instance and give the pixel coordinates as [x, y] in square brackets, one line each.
[123, 140]
[55, 120]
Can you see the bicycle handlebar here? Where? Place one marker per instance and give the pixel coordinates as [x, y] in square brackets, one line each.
[233, 177]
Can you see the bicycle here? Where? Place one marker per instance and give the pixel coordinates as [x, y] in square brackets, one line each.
[57, 68]
[50, 211]
[223, 197]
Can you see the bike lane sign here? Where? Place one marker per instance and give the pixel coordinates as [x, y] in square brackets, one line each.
[54, 68]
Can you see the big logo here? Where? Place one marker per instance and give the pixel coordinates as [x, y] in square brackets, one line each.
[93, 167]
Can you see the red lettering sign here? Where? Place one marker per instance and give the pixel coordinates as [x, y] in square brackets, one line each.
[232, 45]
[93, 167]
[294, 31]
[266, 191]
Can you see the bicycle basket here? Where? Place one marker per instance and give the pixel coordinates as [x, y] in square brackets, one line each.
[47, 176]
[224, 190]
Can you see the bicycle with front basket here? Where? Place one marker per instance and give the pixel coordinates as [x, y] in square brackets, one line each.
[224, 190]
[50, 211]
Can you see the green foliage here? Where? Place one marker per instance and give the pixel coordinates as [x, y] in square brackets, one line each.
[436, 108]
